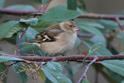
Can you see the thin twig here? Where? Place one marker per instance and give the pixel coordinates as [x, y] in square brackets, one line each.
[44, 7]
[19, 40]
[86, 69]
[119, 24]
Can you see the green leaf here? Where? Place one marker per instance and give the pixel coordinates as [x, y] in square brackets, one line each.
[8, 29]
[119, 40]
[58, 14]
[98, 39]
[82, 5]
[21, 7]
[122, 81]
[111, 76]
[28, 36]
[21, 74]
[85, 81]
[41, 25]
[3, 69]
[9, 58]
[23, 77]
[116, 66]
[53, 72]
[92, 28]
[92, 23]
[72, 4]
[40, 1]
[2, 3]
[30, 21]
[44, 1]
[4, 58]
[109, 24]
[99, 50]
[41, 74]
[26, 48]
[121, 22]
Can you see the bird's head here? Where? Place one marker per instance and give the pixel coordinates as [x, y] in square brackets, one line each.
[69, 26]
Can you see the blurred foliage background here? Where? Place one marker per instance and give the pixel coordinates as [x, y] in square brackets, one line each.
[103, 37]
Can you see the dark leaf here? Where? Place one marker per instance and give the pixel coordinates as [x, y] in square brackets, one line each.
[85, 81]
[53, 72]
[92, 28]
[99, 50]
[58, 14]
[9, 58]
[41, 74]
[82, 5]
[44, 1]
[26, 45]
[21, 7]
[30, 21]
[2, 3]
[109, 24]
[3, 73]
[72, 4]
[5, 58]
[116, 66]
[111, 76]
[118, 42]
[8, 29]
[122, 81]
[26, 48]
[28, 36]
[20, 72]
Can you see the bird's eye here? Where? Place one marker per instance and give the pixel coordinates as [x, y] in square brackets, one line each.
[70, 25]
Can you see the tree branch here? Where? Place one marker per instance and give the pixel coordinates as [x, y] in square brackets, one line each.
[38, 12]
[119, 24]
[70, 58]
[101, 16]
[86, 70]
[20, 12]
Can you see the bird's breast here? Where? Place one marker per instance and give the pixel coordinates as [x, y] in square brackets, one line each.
[64, 42]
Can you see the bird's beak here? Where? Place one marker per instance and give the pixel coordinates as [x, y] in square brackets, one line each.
[76, 29]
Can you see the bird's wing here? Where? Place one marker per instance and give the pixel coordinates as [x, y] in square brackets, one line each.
[49, 35]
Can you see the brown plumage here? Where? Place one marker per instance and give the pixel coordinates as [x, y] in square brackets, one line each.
[57, 38]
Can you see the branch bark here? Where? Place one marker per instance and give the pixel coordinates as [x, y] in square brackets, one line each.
[101, 16]
[75, 58]
[37, 12]
[20, 12]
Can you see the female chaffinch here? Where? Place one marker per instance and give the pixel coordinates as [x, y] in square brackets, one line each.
[57, 38]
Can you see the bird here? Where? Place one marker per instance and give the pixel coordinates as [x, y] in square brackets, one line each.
[57, 38]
